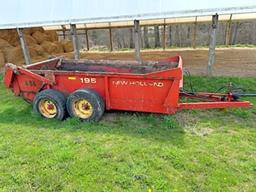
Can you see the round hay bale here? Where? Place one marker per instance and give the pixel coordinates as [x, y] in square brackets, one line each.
[2, 60]
[35, 29]
[52, 48]
[60, 47]
[67, 46]
[13, 55]
[4, 44]
[52, 35]
[9, 35]
[40, 37]
[37, 50]
[4, 34]
[29, 40]
[27, 31]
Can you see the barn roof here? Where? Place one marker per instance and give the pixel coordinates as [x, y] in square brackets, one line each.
[103, 13]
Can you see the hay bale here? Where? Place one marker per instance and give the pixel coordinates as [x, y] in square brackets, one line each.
[52, 48]
[60, 47]
[9, 35]
[2, 60]
[52, 35]
[67, 46]
[4, 34]
[13, 55]
[27, 31]
[4, 44]
[40, 37]
[29, 40]
[13, 38]
[35, 29]
[36, 50]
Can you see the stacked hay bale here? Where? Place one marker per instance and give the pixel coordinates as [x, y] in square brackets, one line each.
[41, 44]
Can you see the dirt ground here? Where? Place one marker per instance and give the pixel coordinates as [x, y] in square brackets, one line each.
[229, 61]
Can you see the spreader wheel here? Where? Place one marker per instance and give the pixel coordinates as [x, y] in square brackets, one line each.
[50, 104]
[86, 104]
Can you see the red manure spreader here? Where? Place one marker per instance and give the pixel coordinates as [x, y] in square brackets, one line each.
[86, 88]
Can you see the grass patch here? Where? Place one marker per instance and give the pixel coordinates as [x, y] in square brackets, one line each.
[195, 150]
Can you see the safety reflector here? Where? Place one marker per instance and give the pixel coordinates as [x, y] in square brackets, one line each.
[71, 78]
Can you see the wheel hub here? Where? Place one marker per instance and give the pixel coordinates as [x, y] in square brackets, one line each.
[47, 108]
[83, 108]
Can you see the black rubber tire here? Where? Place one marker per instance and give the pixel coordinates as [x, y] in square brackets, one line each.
[94, 99]
[58, 98]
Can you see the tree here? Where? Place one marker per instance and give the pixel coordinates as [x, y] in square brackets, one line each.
[170, 35]
[131, 38]
[146, 37]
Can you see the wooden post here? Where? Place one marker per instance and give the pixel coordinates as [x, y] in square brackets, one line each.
[63, 31]
[110, 38]
[137, 40]
[24, 47]
[228, 31]
[87, 40]
[212, 45]
[194, 33]
[164, 38]
[75, 41]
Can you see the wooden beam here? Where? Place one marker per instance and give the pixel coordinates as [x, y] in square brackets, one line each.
[212, 44]
[137, 40]
[110, 39]
[164, 36]
[169, 21]
[78, 33]
[24, 47]
[228, 31]
[75, 41]
[194, 33]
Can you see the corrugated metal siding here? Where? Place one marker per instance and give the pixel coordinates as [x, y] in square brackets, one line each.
[29, 13]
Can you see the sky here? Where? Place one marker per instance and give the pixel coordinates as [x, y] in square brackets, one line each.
[29, 11]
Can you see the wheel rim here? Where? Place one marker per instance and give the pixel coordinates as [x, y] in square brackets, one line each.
[47, 108]
[83, 108]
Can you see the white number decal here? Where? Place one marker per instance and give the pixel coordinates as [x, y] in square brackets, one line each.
[88, 80]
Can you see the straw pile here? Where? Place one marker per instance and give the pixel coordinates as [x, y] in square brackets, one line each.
[41, 44]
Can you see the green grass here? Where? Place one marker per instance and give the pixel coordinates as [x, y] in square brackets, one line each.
[204, 150]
